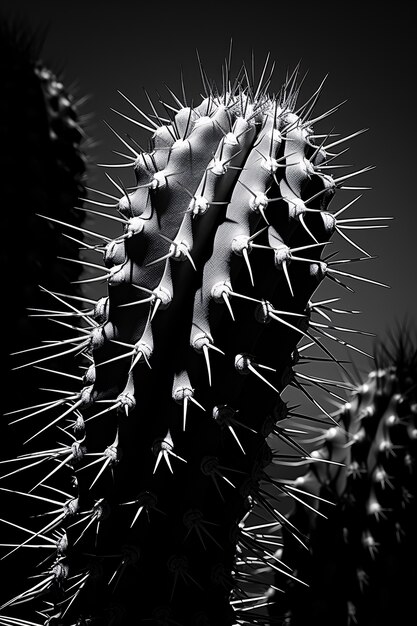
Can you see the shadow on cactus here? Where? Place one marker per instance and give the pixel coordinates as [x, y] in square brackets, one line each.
[222, 243]
[361, 566]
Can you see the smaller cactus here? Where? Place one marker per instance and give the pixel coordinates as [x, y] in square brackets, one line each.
[209, 286]
[361, 563]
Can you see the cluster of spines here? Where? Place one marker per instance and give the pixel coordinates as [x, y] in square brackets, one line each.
[361, 558]
[185, 360]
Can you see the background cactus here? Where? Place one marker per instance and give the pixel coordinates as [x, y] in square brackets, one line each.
[361, 566]
[210, 282]
[43, 169]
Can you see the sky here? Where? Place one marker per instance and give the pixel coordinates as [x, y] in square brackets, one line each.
[366, 49]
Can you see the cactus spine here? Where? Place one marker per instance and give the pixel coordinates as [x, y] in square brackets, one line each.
[361, 562]
[209, 283]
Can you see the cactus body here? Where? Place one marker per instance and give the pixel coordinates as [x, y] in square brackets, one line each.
[361, 563]
[209, 286]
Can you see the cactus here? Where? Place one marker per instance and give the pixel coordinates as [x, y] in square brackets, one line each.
[209, 285]
[361, 564]
[43, 171]
[40, 131]
[41, 138]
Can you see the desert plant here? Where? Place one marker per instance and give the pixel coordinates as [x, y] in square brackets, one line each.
[43, 169]
[209, 281]
[361, 562]
[41, 133]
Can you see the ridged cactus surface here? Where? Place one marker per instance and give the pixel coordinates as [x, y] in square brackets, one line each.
[161, 448]
[361, 566]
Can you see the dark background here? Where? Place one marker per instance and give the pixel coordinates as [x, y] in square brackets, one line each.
[366, 48]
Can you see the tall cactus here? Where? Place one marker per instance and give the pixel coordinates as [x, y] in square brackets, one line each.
[361, 566]
[209, 281]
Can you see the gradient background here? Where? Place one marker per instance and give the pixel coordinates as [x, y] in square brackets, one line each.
[368, 51]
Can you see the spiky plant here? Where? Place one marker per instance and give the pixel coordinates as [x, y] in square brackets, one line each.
[361, 563]
[43, 169]
[40, 131]
[209, 281]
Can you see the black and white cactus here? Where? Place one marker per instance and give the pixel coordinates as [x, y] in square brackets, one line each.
[210, 283]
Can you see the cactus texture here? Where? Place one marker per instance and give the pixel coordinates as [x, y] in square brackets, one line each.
[43, 169]
[210, 278]
[361, 566]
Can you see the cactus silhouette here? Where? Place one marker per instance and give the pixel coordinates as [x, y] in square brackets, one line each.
[361, 563]
[40, 132]
[209, 284]
[43, 170]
